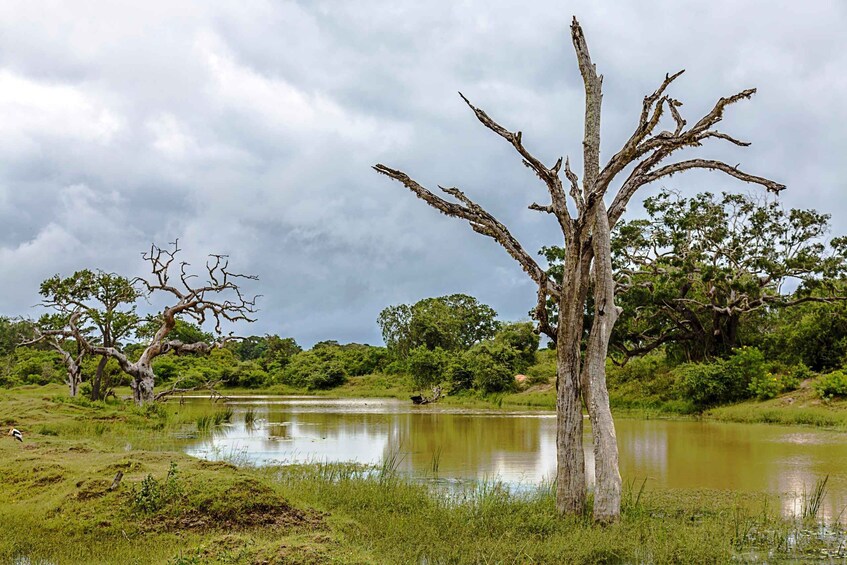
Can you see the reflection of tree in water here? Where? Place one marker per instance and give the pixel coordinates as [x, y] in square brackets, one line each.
[468, 445]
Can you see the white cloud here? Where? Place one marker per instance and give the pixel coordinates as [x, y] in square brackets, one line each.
[32, 111]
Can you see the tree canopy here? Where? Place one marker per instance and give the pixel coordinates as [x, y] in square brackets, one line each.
[452, 322]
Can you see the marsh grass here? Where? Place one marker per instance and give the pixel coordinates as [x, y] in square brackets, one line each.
[812, 500]
[435, 461]
[250, 417]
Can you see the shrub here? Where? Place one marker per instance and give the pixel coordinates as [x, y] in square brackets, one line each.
[721, 381]
[490, 373]
[766, 386]
[523, 340]
[152, 495]
[315, 369]
[459, 372]
[426, 366]
[833, 384]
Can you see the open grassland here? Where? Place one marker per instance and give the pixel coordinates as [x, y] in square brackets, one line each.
[56, 505]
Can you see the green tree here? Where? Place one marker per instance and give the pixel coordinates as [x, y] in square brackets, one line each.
[452, 322]
[105, 306]
[698, 269]
[427, 367]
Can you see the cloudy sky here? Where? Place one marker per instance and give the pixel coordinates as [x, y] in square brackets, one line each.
[249, 128]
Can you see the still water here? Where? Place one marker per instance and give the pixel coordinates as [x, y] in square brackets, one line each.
[519, 447]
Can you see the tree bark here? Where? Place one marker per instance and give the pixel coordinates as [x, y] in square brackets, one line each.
[74, 379]
[142, 385]
[607, 478]
[570, 459]
[98, 378]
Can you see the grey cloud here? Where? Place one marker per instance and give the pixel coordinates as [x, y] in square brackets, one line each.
[250, 129]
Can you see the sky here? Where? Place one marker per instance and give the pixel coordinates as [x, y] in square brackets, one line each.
[249, 128]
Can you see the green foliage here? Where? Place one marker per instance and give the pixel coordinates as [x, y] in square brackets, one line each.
[271, 351]
[522, 339]
[152, 495]
[770, 385]
[315, 369]
[426, 366]
[491, 365]
[453, 322]
[702, 273]
[722, 381]
[106, 301]
[832, 384]
[12, 333]
[814, 334]
[33, 366]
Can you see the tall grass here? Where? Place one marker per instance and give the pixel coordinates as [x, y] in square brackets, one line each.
[206, 421]
[812, 500]
[250, 417]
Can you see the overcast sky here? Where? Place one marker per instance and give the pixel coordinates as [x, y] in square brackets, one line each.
[249, 128]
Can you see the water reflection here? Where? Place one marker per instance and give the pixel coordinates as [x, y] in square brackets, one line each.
[519, 447]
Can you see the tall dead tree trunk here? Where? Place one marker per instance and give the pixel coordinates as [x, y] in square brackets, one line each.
[581, 373]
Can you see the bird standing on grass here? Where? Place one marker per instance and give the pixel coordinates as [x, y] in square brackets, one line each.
[16, 434]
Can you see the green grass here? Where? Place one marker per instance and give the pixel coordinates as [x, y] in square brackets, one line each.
[801, 407]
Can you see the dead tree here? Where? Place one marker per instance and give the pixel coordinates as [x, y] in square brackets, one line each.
[586, 221]
[219, 298]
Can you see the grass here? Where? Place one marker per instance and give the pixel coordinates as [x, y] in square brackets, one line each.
[800, 407]
[55, 505]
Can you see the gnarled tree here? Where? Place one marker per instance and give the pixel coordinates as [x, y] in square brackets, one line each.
[51, 331]
[219, 298]
[106, 306]
[586, 222]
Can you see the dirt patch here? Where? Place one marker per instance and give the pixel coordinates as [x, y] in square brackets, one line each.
[91, 488]
[282, 516]
[311, 551]
[212, 465]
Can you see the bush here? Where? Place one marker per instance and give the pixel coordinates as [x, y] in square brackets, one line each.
[833, 384]
[523, 341]
[766, 386]
[721, 381]
[426, 366]
[459, 372]
[491, 373]
[319, 368]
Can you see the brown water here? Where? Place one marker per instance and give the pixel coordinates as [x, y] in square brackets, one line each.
[518, 447]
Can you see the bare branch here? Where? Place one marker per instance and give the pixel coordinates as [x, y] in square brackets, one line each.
[713, 165]
[481, 222]
[550, 176]
[593, 102]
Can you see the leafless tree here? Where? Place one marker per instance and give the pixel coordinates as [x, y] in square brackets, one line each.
[586, 221]
[219, 298]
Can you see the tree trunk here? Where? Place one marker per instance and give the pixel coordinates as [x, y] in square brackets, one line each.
[142, 385]
[74, 380]
[570, 460]
[98, 378]
[607, 483]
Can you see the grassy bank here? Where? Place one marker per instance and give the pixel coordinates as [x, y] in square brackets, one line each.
[56, 505]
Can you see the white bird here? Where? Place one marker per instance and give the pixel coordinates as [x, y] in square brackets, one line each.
[16, 434]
